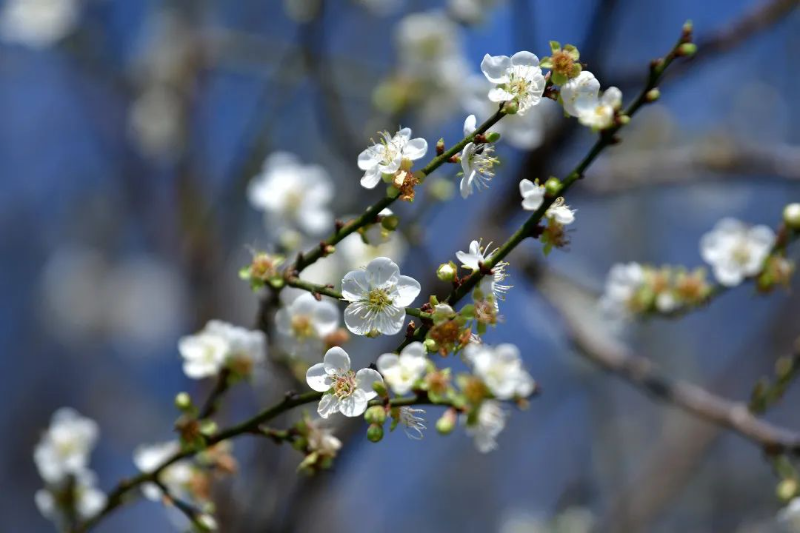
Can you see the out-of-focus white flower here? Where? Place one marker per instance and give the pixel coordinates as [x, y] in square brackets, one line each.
[303, 325]
[376, 234]
[321, 439]
[155, 122]
[471, 11]
[386, 156]
[500, 368]
[622, 284]
[583, 87]
[401, 372]
[292, 195]
[532, 195]
[491, 420]
[87, 499]
[220, 344]
[518, 79]
[789, 516]
[413, 425]
[735, 250]
[598, 113]
[348, 392]
[426, 42]
[176, 477]
[560, 212]
[378, 297]
[525, 131]
[475, 256]
[65, 447]
[38, 23]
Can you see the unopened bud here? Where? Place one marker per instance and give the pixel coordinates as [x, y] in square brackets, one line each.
[511, 108]
[440, 147]
[431, 346]
[623, 120]
[687, 49]
[375, 415]
[552, 186]
[380, 388]
[447, 423]
[375, 433]
[446, 271]
[492, 137]
[791, 216]
[786, 489]
[653, 95]
[207, 522]
[390, 222]
[183, 401]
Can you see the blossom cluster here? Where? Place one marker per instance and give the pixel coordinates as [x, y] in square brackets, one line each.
[221, 346]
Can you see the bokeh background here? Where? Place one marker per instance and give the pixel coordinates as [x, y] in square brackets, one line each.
[130, 129]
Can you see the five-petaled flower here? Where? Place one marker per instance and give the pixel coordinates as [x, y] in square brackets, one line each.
[346, 391]
[489, 422]
[500, 368]
[402, 371]
[735, 250]
[518, 79]
[378, 296]
[387, 156]
[303, 325]
[221, 345]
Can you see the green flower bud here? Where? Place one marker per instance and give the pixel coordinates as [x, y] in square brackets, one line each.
[390, 222]
[446, 271]
[183, 401]
[511, 108]
[492, 137]
[431, 346]
[653, 95]
[375, 433]
[791, 216]
[447, 423]
[552, 186]
[786, 489]
[687, 49]
[380, 388]
[375, 415]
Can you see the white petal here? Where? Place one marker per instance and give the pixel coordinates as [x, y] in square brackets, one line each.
[318, 379]
[613, 97]
[387, 362]
[368, 159]
[371, 178]
[336, 360]
[407, 289]
[382, 271]
[353, 405]
[495, 68]
[355, 285]
[728, 274]
[326, 318]
[466, 186]
[391, 321]
[356, 322]
[525, 59]
[328, 405]
[365, 378]
[415, 149]
[470, 124]
[500, 95]
[415, 349]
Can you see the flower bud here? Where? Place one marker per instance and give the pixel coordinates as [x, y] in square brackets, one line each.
[552, 186]
[447, 423]
[446, 271]
[791, 216]
[380, 388]
[441, 189]
[653, 95]
[207, 522]
[492, 137]
[390, 222]
[786, 489]
[375, 415]
[183, 401]
[440, 147]
[687, 49]
[431, 346]
[511, 108]
[375, 433]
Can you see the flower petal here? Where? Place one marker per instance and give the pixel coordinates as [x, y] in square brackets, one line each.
[387, 362]
[353, 405]
[526, 59]
[365, 378]
[357, 320]
[355, 285]
[317, 378]
[470, 125]
[326, 318]
[415, 149]
[328, 405]
[495, 68]
[382, 271]
[371, 178]
[336, 361]
[406, 291]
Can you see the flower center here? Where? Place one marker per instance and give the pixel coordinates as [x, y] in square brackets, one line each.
[563, 63]
[741, 253]
[302, 326]
[379, 299]
[294, 199]
[344, 384]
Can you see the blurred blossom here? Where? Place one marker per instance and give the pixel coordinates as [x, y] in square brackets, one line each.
[353, 253]
[735, 250]
[472, 11]
[177, 477]
[155, 122]
[789, 516]
[303, 325]
[88, 500]
[140, 301]
[38, 23]
[489, 423]
[167, 46]
[292, 195]
[220, 345]
[65, 447]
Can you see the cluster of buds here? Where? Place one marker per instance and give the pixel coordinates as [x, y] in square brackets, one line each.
[263, 270]
[450, 331]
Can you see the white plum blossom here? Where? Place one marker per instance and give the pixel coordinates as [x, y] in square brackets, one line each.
[87, 499]
[584, 88]
[500, 368]
[303, 325]
[346, 391]
[622, 284]
[525, 132]
[473, 259]
[386, 156]
[789, 516]
[491, 420]
[477, 161]
[176, 477]
[532, 195]
[518, 79]
[38, 23]
[735, 250]
[598, 113]
[413, 425]
[293, 195]
[560, 212]
[378, 296]
[65, 447]
[221, 345]
[321, 439]
[402, 371]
